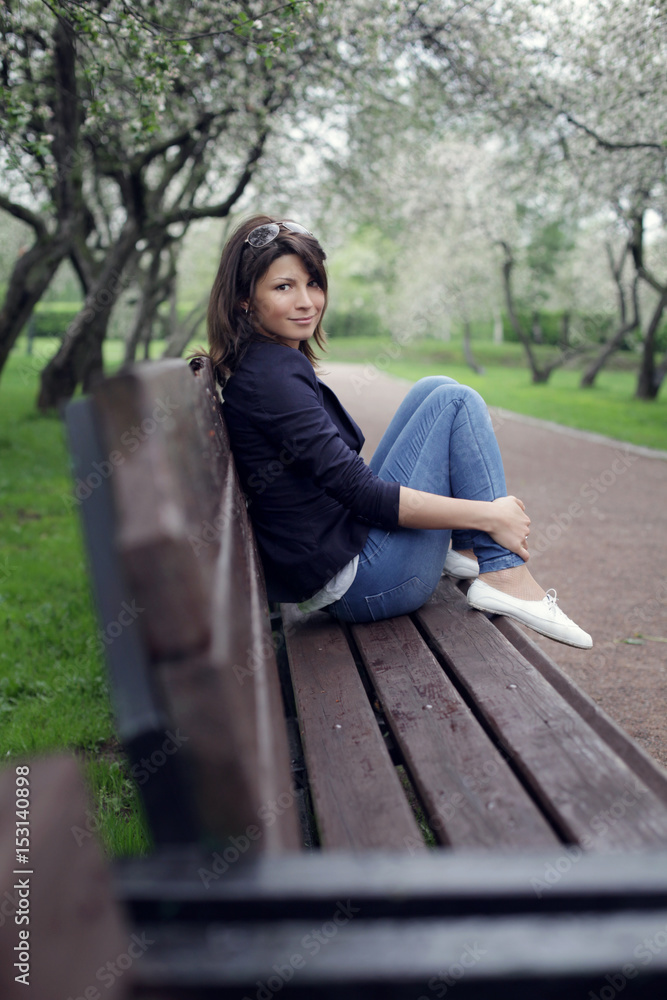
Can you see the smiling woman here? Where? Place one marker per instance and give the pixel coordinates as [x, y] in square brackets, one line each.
[363, 542]
[288, 302]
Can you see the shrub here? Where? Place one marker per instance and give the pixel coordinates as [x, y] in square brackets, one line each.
[353, 323]
[595, 327]
[51, 319]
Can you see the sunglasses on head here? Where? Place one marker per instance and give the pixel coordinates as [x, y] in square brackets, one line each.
[261, 236]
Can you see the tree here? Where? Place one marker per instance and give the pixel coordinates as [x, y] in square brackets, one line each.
[628, 319]
[128, 122]
[583, 86]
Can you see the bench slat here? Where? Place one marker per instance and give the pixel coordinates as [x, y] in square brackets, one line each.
[515, 958]
[583, 786]
[153, 420]
[357, 794]
[432, 883]
[644, 766]
[471, 796]
[184, 539]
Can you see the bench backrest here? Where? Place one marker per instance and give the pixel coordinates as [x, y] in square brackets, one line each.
[156, 480]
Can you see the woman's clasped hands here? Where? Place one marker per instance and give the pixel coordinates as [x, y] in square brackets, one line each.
[510, 525]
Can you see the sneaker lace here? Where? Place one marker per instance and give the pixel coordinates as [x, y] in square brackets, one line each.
[552, 607]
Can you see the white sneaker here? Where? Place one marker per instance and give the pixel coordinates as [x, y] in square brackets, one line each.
[460, 567]
[542, 616]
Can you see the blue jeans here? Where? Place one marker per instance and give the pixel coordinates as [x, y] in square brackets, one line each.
[440, 441]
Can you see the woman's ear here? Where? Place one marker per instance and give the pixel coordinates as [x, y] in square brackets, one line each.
[244, 305]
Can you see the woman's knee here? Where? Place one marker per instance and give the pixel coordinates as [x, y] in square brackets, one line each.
[463, 393]
[431, 382]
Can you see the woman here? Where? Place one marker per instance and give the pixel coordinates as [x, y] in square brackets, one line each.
[363, 542]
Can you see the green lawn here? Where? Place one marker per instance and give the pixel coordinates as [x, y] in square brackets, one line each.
[53, 692]
[608, 408]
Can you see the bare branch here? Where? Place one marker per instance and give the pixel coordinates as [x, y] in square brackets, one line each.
[24, 214]
[659, 286]
[608, 144]
[222, 209]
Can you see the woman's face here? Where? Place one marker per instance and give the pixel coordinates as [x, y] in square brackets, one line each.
[288, 302]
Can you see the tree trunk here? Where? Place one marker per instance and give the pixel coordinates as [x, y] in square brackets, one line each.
[497, 326]
[536, 328]
[30, 278]
[564, 340]
[594, 369]
[626, 325]
[79, 359]
[182, 334]
[146, 310]
[34, 271]
[650, 379]
[467, 349]
[538, 375]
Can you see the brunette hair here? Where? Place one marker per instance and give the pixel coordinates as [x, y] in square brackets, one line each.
[231, 328]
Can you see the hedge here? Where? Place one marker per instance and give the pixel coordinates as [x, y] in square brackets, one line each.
[51, 319]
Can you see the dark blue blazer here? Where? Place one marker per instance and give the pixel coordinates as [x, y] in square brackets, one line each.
[311, 498]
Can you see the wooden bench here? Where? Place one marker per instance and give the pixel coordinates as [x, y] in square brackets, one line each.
[391, 808]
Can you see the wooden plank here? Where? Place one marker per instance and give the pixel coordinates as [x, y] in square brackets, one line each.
[189, 557]
[229, 704]
[513, 958]
[586, 789]
[141, 719]
[358, 798]
[137, 710]
[471, 796]
[644, 766]
[388, 885]
[154, 426]
[236, 690]
[73, 924]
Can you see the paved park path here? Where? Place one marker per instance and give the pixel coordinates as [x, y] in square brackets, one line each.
[598, 536]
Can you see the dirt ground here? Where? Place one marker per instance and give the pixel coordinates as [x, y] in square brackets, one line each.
[598, 536]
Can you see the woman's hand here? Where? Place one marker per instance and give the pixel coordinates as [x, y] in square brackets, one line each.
[505, 519]
[511, 525]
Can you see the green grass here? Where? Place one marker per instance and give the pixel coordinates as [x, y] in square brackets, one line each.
[608, 408]
[53, 693]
